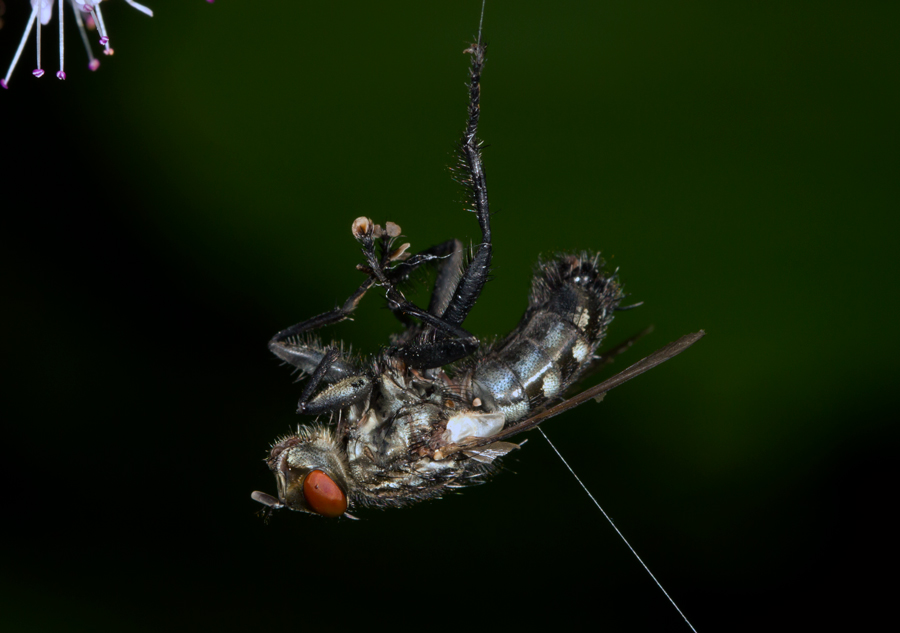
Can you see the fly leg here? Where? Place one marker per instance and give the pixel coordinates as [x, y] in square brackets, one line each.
[449, 272]
[454, 342]
[448, 256]
[291, 346]
[444, 340]
[454, 297]
[340, 395]
[476, 274]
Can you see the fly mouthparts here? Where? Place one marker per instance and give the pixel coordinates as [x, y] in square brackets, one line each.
[266, 500]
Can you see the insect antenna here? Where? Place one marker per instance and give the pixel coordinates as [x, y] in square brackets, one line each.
[622, 536]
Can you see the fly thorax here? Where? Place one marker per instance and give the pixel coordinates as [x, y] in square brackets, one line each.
[394, 394]
[392, 443]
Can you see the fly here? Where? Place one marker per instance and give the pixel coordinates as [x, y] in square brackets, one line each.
[436, 409]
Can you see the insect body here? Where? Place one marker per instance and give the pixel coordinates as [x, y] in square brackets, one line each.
[434, 410]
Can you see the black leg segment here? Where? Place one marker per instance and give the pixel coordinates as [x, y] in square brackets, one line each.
[473, 179]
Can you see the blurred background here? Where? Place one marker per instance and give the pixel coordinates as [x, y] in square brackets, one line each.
[164, 216]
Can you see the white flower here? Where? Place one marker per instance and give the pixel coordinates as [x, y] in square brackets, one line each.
[42, 11]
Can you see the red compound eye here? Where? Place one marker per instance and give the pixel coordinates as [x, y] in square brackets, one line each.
[323, 495]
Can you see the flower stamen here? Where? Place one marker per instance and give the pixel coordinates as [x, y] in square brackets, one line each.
[5, 81]
[93, 62]
[140, 7]
[101, 27]
[42, 13]
[62, 46]
[38, 72]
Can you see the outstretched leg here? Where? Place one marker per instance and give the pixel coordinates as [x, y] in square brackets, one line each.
[455, 342]
[476, 274]
[289, 346]
[444, 340]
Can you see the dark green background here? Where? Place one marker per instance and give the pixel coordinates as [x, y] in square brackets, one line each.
[164, 216]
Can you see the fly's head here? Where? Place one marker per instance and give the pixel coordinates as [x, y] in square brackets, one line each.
[311, 474]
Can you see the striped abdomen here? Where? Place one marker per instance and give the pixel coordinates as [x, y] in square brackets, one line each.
[571, 305]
